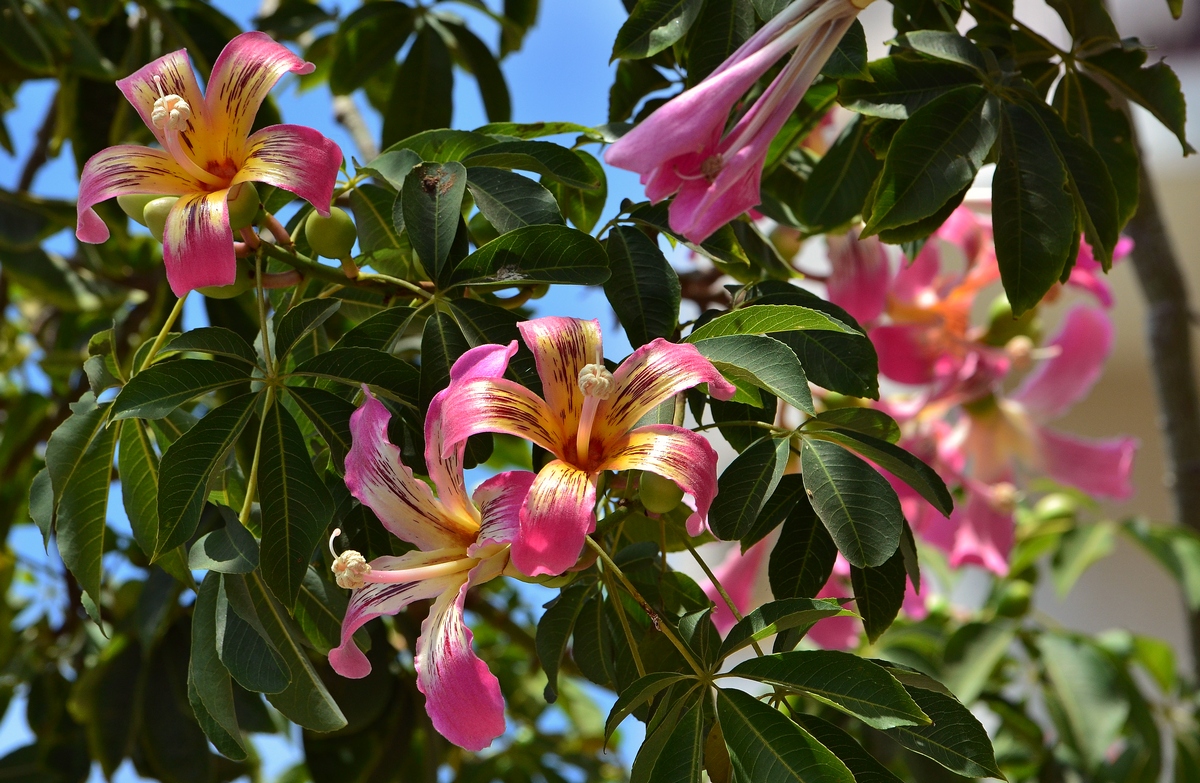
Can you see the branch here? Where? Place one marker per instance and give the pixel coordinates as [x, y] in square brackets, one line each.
[41, 148]
[347, 115]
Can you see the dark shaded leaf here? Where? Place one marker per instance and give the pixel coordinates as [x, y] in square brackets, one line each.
[536, 254]
[766, 747]
[653, 26]
[643, 288]
[745, 485]
[422, 91]
[510, 201]
[158, 390]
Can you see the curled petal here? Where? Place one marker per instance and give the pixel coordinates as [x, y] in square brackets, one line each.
[246, 70]
[1056, 384]
[651, 374]
[125, 170]
[298, 159]
[675, 453]
[1098, 467]
[170, 74]
[198, 243]
[406, 506]
[558, 513]
[377, 599]
[462, 696]
[562, 347]
[500, 499]
[858, 282]
[738, 573]
[499, 405]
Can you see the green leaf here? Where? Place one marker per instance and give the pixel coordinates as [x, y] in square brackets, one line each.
[902, 84]
[158, 390]
[306, 700]
[640, 692]
[380, 331]
[510, 201]
[803, 557]
[330, 414]
[442, 145]
[242, 644]
[857, 505]
[659, 732]
[906, 467]
[582, 206]
[543, 157]
[766, 747]
[553, 631]
[866, 421]
[319, 612]
[592, 644]
[760, 319]
[879, 593]
[973, 653]
[26, 220]
[865, 767]
[441, 344]
[849, 59]
[41, 503]
[368, 37]
[482, 64]
[1087, 684]
[210, 689]
[956, 739]
[840, 182]
[1080, 549]
[643, 290]
[392, 167]
[1176, 548]
[745, 485]
[138, 466]
[229, 550]
[299, 321]
[634, 80]
[933, 156]
[536, 254]
[943, 45]
[784, 502]
[1032, 211]
[1156, 88]
[682, 757]
[775, 617]
[422, 90]
[723, 26]
[372, 207]
[393, 377]
[653, 26]
[1087, 21]
[186, 466]
[431, 202]
[763, 362]
[296, 508]
[214, 340]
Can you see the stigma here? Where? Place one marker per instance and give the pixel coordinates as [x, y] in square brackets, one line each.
[596, 381]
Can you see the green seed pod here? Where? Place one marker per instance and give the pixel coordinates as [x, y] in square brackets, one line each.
[243, 205]
[659, 495]
[333, 236]
[134, 206]
[155, 215]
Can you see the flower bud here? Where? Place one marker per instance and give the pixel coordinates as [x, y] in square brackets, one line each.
[243, 205]
[333, 236]
[154, 216]
[658, 495]
[135, 205]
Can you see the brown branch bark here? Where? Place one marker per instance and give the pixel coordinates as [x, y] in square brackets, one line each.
[347, 115]
[1169, 324]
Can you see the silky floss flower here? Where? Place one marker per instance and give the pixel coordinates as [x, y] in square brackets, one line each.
[587, 418]
[459, 543]
[207, 151]
[682, 148]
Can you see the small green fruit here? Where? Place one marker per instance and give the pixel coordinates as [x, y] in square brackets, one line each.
[1015, 599]
[333, 236]
[155, 215]
[134, 206]
[243, 283]
[1056, 505]
[243, 205]
[659, 495]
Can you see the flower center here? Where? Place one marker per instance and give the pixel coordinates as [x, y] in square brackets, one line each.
[1003, 497]
[352, 571]
[170, 112]
[596, 383]
[172, 115]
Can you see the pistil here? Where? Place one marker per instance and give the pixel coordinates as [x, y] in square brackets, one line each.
[171, 114]
[596, 383]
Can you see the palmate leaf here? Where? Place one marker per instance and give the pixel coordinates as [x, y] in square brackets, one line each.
[554, 630]
[775, 617]
[390, 376]
[760, 361]
[158, 390]
[371, 35]
[903, 465]
[510, 200]
[640, 692]
[210, 689]
[764, 318]
[299, 321]
[242, 644]
[879, 593]
[765, 746]
[745, 486]
[422, 91]
[535, 254]
[643, 289]
[543, 157]
[955, 739]
[431, 204]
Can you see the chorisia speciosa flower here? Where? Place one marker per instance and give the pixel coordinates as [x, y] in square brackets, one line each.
[683, 149]
[207, 150]
[587, 418]
[460, 542]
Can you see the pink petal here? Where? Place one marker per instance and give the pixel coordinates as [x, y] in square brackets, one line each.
[676, 453]
[700, 208]
[836, 633]
[858, 282]
[124, 171]
[983, 534]
[298, 159]
[462, 696]
[375, 600]
[904, 355]
[1056, 384]
[404, 504]
[1098, 467]
[738, 573]
[558, 513]
[198, 244]
[914, 604]
[174, 77]
[246, 70]
[964, 230]
[562, 347]
[915, 278]
[500, 405]
[651, 374]
[500, 499]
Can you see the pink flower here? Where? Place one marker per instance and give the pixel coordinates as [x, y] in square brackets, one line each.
[207, 149]
[587, 419]
[1089, 275]
[738, 573]
[682, 147]
[460, 542]
[858, 280]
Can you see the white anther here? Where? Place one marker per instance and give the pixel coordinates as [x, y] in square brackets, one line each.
[170, 113]
[1004, 497]
[596, 381]
[1020, 350]
[349, 568]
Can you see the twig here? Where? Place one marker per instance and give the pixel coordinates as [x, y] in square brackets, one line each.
[41, 148]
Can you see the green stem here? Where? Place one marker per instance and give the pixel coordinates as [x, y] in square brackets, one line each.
[620, 610]
[367, 280]
[261, 298]
[162, 333]
[762, 425]
[712, 577]
[252, 479]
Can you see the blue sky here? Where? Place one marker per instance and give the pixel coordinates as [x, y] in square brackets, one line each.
[562, 73]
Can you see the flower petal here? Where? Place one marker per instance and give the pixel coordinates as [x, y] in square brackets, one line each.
[557, 514]
[651, 374]
[500, 499]
[125, 170]
[835, 633]
[1098, 467]
[406, 506]
[983, 535]
[562, 347]
[174, 77]
[375, 600]
[1056, 384]
[246, 70]
[198, 244]
[298, 159]
[903, 353]
[858, 282]
[499, 405]
[462, 696]
[702, 207]
[738, 573]
[675, 453]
